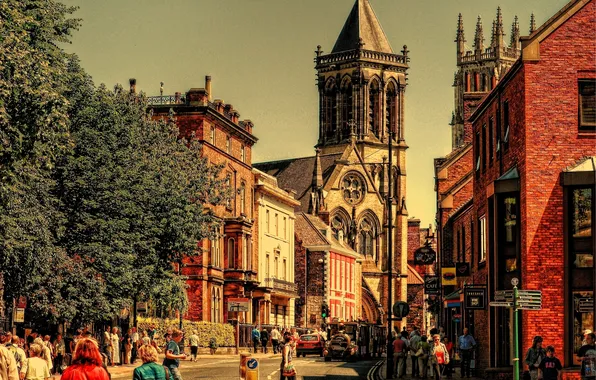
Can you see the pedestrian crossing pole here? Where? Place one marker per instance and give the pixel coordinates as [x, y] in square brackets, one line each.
[514, 282]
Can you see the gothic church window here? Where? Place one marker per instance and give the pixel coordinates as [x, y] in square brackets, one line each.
[374, 102]
[340, 224]
[330, 109]
[368, 239]
[353, 188]
[391, 108]
[346, 106]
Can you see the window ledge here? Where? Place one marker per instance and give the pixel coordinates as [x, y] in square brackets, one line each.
[482, 264]
[586, 134]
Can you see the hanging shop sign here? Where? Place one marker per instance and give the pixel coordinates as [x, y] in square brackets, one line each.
[462, 269]
[448, 276]
[432, 284]
[475, 298]
[424, 256]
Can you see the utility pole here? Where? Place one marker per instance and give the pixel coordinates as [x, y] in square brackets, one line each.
[515, 331]
[389, 372]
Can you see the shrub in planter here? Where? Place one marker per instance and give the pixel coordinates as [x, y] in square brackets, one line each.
[222, 333]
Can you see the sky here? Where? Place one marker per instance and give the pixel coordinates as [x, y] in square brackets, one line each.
[260, 54]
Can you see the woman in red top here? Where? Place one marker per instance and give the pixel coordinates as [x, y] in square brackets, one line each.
[449, 366]
[439, 356]
[86, 362]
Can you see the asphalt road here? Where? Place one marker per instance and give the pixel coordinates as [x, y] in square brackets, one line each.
[309, 368]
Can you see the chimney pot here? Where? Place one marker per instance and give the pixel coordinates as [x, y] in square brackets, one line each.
[208, 86]
[133, 85]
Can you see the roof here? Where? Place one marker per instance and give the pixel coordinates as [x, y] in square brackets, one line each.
[296, 174]
[315, 233]
[586, 164]
[362, 23]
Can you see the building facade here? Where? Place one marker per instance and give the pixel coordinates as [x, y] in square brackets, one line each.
[273, 300]
[361, 85]
[531, 215]
[226, 265]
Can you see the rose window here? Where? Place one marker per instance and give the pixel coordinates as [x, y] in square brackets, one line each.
[353, 188]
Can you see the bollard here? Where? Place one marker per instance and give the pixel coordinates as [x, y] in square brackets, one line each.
[252, 369]
[243, 359]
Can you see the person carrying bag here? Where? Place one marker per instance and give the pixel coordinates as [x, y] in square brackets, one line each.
[287, 369]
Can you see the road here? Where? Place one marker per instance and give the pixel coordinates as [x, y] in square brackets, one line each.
[309, 368]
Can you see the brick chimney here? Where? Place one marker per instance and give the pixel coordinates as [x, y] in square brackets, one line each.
[208, 86]
[235, 116]
[219, 105]
[133, 85]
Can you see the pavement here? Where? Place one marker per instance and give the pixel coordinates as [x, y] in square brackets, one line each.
[380, 374]
[126, 370]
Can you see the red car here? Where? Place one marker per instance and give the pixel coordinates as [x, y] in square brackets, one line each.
[310, 344]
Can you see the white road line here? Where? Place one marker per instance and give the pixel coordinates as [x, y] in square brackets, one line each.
[372, 369]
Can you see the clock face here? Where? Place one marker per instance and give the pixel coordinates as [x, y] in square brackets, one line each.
[353, 188]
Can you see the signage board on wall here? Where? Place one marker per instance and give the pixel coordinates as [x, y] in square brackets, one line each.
[432, 284]
[475, 298]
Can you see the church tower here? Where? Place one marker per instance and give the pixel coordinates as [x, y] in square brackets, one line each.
[479, 71]
[361, 85]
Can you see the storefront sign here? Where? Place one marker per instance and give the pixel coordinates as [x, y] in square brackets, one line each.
[448, 276]
[424, 256]
[475, 298]
[19, 315]
[141, 307]
[462, 269]
[432, 284]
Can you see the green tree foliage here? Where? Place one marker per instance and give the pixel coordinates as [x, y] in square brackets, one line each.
[97, 201]
[33, 133]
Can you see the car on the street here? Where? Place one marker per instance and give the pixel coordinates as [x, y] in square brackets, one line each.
[310, 344]
[340, 347]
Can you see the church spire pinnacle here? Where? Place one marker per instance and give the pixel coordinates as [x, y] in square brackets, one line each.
[532, 23]
[499, 33]
[479, 36]
[460, 39]
[493, 34]
[362, 29]
[515, 34]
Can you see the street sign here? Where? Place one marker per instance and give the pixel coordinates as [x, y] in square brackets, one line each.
[238, 304]
[529, 307]
[501, 304]
[252, 363]
[475, 298]
[401, 309]
[585, 305]
[19, 315]
[504, 295]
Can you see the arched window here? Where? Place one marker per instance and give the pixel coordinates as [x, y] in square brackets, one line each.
[217, 305]
[231, 253]
[330, 109]
[374, 114]
[391, 109]
[340, 224]
[346, 106]
[395, 184]
[213, 303]
[244, 252]
[368, 237]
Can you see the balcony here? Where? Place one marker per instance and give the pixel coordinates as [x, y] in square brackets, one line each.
[280, 286]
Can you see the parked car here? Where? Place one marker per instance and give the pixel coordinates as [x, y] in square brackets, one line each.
[309, 344]
[340, 347]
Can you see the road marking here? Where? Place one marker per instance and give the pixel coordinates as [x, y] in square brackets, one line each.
[369, 375]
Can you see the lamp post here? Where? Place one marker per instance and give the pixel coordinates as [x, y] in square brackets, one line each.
[389, 372]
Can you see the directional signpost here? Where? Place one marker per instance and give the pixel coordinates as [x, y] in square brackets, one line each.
[518, 300]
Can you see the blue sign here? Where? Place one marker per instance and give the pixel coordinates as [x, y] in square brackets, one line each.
[252, 364]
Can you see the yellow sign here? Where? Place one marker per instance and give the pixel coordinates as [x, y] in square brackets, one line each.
[448, 276]
[19, 315]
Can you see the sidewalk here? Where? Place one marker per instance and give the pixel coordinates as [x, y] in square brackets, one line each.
[126, 370]
[381, 374]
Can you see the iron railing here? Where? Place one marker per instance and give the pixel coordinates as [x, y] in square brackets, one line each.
[165, 100]
[277, 284]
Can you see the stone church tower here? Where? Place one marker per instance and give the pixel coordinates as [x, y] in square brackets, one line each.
[361, 85]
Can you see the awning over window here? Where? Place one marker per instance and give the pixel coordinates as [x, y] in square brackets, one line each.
[582, 173]
[453, 299]
[508, 182]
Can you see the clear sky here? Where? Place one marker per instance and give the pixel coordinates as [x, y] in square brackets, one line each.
[260, 56]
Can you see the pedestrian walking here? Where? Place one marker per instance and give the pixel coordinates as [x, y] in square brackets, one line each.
[37, 367]
[550, 367]
[264, 339]
[59, 352]
[275, 337]
[423, 356]
[45, 352]
[587, 356]
[115, 339]
[8, 365]
[87, 363]
[150, 370]
[106, 344]
[466, 345]
[405, 337]
[399, 357]
[193, 342]
[287, 370]
[534, 356]
[135, 341]
[127, 346]
[439, 356]
[256, 338]
[449, 366]
[173, 355]
[414, 343]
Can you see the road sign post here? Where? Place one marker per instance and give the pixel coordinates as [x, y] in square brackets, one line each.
[516, 331]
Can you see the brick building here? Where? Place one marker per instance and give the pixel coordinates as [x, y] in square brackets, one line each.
[478, 72]
[527, 154]
[225, 266]
[330, 273]
[361, 85]
[534, 142]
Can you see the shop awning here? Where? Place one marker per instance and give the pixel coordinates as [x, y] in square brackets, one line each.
[452, 299]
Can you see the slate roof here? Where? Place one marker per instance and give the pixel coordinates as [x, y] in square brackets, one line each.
[296, 174]
[362, 23]
[307, 232]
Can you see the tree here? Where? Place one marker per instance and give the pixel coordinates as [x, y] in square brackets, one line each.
[133, 194]
[33, 133]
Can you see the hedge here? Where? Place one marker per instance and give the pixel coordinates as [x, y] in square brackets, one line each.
[223, 333]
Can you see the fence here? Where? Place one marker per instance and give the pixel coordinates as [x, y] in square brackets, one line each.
[245, 333]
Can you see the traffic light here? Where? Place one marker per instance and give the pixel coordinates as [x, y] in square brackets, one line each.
[324, 310]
